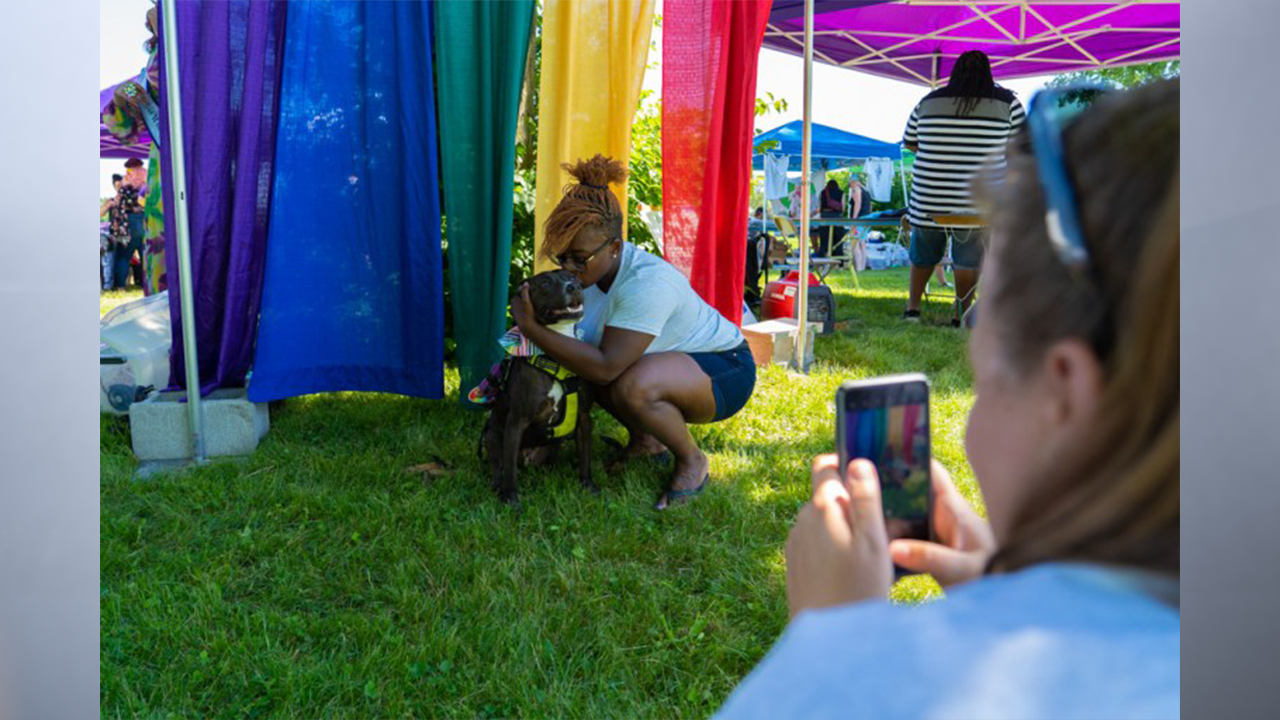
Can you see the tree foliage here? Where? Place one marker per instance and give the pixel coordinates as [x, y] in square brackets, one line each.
[1120, 77]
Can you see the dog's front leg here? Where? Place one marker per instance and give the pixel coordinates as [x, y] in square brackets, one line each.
[493, 428]
[584, 442]
[512, 437]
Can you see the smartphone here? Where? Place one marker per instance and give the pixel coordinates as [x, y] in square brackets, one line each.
[886, 420]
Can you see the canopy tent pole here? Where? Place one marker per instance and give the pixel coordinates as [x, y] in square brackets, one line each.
[802, 303]
[902, 165]
[181, 228]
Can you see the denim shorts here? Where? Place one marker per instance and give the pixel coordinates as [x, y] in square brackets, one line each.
[929, 244]
[733, 378]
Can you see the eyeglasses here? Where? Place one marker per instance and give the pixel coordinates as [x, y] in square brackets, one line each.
[565, 260]
[1050, 112]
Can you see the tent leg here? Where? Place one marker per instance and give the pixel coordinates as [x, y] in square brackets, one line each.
[181, 227]
[802, 302]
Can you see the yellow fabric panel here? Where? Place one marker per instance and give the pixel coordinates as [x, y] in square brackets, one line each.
[593, 61]
[895, 444]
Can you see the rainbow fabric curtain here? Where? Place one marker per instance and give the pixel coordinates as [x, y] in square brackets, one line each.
[230, 55]
[480, 55]
[353, 296]
[709, 54]
[593, 58]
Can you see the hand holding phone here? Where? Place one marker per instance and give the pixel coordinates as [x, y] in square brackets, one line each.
[886, 421]
[964, 541]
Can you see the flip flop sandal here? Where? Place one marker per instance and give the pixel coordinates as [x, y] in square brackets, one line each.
[662, 458]
[670, 498]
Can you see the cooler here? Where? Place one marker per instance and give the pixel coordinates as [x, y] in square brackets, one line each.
[780, 298]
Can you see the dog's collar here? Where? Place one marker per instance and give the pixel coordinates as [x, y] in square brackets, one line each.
[564, 327]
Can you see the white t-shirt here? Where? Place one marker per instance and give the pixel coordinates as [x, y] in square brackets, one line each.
[650, 296]
[1053, 641]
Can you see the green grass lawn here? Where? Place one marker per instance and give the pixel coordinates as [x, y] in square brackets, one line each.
[319, 579]
[109, 299]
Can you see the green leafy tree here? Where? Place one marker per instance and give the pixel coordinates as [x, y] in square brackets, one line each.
[1120, 77]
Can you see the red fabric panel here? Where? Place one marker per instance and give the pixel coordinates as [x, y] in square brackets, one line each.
[710, 50]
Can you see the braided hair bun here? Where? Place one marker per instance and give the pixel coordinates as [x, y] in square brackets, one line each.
[587, 203]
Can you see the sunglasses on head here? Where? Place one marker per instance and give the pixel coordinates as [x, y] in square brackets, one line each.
[1050, 112]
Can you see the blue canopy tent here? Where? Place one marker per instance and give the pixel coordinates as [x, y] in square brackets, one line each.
[830, 147]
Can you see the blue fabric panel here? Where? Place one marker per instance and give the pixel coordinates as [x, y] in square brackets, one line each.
[353, 297]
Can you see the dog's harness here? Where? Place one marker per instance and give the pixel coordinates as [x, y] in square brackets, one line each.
[564, 390]
[567, 385]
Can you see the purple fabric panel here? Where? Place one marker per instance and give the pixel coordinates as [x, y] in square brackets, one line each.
[229, 56]
[916, 34]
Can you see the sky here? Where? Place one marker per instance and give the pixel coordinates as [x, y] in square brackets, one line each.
[122, 30]
[844, 99]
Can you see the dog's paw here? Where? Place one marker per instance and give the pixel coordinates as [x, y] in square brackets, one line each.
[511, 499]
[591, 487]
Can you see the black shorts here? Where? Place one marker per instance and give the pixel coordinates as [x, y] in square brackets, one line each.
[733, 378]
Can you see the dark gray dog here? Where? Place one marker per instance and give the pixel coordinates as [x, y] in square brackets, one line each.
[539, 403]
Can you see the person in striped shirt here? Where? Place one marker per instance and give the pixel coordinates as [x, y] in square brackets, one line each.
[954, 130]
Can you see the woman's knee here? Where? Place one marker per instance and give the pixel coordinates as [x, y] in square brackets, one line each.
[635, 390]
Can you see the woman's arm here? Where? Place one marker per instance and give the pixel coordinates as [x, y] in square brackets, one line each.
[857, 200]
[619, 349]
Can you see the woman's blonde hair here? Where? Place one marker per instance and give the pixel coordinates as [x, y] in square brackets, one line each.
[1116, 499]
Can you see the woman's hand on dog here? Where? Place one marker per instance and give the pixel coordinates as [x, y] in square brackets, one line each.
[838, 550]
[522, 310]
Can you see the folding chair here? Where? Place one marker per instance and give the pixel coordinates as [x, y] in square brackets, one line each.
[787, 233]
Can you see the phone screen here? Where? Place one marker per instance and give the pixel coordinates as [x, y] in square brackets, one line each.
[888, 424]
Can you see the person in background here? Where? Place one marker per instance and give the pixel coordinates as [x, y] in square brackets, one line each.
[119, 213]
[107, 246]
[1065, 601]
[831, 204]
[135, 175]
[953, 131]
[135, 178]
[859, 206]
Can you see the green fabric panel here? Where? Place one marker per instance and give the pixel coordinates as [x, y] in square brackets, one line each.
[480, 56]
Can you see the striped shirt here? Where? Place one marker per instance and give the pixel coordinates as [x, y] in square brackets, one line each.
[952, 147]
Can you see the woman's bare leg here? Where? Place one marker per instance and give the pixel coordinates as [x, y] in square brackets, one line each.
[660, 395]
[639, 443]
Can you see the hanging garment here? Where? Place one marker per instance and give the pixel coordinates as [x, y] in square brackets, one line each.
[353, 296]
[879, 173]
[230, 52]
[775, 176]
[710, 53]
[481, 49]
[593, 62]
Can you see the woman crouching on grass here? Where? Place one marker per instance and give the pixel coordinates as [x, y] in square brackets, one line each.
[1065, 601]
[657, 355]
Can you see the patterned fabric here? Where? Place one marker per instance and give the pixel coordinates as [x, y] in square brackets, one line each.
[153, 217]
[127, 202]
[128, 128]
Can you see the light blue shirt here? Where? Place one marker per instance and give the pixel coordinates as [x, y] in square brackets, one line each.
[650, 296]
[1054, 641]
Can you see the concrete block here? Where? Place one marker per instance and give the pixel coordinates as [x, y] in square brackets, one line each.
[160, 425]
[774, 341]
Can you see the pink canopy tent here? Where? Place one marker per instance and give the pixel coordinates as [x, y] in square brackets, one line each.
[108, 145]
[918, 40]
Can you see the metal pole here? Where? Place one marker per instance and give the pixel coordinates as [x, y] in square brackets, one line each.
[173, 91]
[802, 304]
[902, 166]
